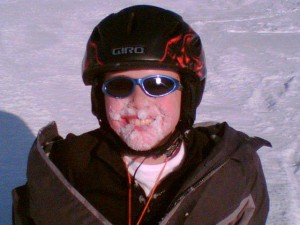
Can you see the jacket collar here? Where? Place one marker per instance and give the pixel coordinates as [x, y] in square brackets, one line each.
[107, 151]
[227, 143]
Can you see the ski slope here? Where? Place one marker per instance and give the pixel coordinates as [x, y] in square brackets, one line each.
[253, 57]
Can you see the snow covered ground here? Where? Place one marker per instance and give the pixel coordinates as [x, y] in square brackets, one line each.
[253, 57]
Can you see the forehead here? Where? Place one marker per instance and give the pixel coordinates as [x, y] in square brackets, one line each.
[142, 73]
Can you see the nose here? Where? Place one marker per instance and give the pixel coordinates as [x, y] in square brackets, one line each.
[138, 98]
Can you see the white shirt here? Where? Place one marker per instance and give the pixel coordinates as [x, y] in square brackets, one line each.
[146, 175]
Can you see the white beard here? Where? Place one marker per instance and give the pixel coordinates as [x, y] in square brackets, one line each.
[144, 128]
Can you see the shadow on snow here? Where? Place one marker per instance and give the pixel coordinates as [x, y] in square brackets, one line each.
[15, 142]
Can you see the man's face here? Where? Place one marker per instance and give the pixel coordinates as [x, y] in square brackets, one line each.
[143, 122]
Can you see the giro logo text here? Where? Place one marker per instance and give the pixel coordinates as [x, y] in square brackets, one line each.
[128, 50]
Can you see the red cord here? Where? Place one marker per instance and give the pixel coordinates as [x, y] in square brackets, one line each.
[150, 196]
[129, 196]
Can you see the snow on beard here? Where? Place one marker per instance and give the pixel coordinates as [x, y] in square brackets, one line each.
[140, 129]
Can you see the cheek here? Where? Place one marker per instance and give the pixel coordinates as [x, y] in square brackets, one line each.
[171, 106]
[113, 107]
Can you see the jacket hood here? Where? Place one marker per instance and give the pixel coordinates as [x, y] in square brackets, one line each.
[51, 195]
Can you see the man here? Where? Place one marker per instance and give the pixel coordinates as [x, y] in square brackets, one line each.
[146, 164]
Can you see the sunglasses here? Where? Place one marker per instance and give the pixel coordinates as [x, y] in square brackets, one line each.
[153, 86]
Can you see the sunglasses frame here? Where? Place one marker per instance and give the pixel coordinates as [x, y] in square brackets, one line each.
[140, 81]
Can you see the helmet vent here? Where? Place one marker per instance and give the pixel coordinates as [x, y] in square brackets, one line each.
[176, 30]
[131, 23]
[196, 42]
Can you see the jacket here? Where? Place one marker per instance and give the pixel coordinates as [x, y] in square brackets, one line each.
[225, 185]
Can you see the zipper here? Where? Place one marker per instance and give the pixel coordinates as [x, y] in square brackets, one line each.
[197, 184]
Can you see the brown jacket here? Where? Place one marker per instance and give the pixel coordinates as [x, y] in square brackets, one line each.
[226, 186]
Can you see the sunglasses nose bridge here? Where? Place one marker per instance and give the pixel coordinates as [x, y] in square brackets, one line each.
[139, 95]
[139, 82]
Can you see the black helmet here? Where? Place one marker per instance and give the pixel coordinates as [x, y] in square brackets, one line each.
[145, 36]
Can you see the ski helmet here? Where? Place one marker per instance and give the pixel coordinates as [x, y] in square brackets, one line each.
[146, 36]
